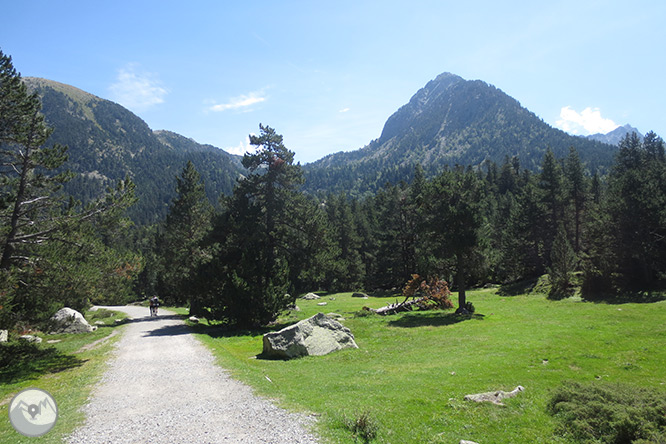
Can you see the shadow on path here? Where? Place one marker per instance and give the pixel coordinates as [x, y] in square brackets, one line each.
[170, 330]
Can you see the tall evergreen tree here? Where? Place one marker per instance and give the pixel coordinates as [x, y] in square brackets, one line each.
[551, 188]
[454, 224]
[178, 248]
[576, 187]
[247, 280]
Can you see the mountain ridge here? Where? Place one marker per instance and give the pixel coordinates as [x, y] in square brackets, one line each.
[107, 142]
[451, 121]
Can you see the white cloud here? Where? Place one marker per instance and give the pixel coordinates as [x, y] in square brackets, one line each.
[137, 90]
[242, 148]
[344, 110]
[588, 121]
[241, 102]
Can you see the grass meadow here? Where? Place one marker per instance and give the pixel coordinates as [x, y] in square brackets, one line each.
[411, 371]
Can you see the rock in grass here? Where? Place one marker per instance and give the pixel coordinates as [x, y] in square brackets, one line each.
[311, 297]
[315, 336]
[31, 338]
[358, 294]
[494, 397]
[4, 335]
[67, 320]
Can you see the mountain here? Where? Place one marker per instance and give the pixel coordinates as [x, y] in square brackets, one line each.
[450, 121]
[614, 137]
[108, 142]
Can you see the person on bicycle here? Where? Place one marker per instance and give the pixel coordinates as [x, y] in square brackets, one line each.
[154, 303]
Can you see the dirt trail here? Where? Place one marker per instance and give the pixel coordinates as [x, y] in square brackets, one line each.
[162, 386]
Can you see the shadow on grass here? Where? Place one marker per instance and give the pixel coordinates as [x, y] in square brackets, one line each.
[22, 361]
[518, 288]
[436, 319]
[639, 297]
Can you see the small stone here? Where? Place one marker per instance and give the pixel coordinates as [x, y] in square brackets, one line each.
[358, 294]
[53, 341]
[323, 303]
[31, 338]
[4, 335]
[193, 319]
[311, 297]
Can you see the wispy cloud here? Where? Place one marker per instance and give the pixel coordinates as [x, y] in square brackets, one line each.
[136, 89]
[588, 121]
[344, 110]
[243, 102]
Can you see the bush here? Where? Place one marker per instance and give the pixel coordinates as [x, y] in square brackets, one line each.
[610, 413]
[363, 426]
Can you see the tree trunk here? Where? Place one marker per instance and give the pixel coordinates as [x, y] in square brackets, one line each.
[460, 280]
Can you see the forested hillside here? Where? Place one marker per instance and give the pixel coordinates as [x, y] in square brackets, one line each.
[108, 142]
[451, 121]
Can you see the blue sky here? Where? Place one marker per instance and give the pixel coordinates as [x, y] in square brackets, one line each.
[327, 75]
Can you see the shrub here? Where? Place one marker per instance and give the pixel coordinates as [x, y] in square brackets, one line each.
[610, 413]
[363, 426]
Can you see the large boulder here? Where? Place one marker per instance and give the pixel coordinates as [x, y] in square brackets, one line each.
[67, 320]
[315, 336]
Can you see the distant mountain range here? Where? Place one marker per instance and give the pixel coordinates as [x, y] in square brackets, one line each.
[450, 121]
[614, 137]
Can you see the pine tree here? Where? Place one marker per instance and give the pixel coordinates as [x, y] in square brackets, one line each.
[576, 187]
[178, 248]
[246, 283]
[551, 188]
[454, 224]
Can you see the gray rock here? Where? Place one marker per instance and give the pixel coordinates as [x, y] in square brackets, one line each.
[494, 397]
[4, 335]
[31, 338]
[311, 297]
[358, 294]
[322, 303]
[464, 441]
[67, 320]
[315, 336]
[193, 319]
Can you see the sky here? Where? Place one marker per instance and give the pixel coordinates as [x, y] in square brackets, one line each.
[327, 75]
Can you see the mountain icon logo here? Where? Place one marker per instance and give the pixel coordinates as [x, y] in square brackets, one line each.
[33, 412]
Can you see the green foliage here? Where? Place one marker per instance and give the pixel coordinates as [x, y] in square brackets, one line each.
[628, 250]
[610, 413]
[563, 265]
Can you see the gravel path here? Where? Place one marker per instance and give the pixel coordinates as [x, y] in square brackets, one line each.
[162, 386]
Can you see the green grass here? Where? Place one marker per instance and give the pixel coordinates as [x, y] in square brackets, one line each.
[412, 371]
[68, 370]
